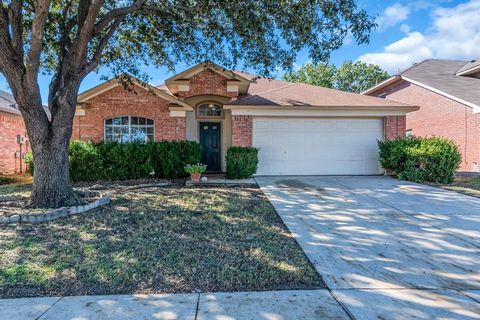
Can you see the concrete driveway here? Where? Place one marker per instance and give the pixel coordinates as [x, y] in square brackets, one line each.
[387, 249]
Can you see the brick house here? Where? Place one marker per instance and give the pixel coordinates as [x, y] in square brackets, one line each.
[448, 94]
[299, 128]
[13, 144]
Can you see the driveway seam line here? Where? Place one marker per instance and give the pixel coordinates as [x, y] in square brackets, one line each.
[411, 215]
[466, 295]
[38, 318]
[344, 308]
[198, 306]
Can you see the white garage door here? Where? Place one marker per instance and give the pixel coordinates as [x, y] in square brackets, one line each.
[317, 146]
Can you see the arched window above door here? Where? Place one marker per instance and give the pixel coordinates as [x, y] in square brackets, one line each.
[209, 110]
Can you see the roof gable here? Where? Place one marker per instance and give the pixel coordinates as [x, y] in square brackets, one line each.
[471, 68]
[441, 77]
[117, 81]
[183, 77]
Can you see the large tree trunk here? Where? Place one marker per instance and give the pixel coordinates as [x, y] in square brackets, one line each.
[49, 141]
[51, 181]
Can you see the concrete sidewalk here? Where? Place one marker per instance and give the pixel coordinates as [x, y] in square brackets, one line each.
[276, 305]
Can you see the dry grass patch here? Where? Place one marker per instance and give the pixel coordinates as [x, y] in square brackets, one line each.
[154, 240]
[466, 185]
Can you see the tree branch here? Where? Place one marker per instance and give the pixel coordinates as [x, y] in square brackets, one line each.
[15, 18]
[116, 13]
[36, 42]
[97, 55]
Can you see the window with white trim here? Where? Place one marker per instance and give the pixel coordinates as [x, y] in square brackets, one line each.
[129, 129]
[209, 110]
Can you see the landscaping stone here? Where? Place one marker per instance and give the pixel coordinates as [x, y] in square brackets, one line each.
[9, 198]
[73, 210]
[55, 214]
[49, 216]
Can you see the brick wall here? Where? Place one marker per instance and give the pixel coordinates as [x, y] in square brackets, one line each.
[443, 117]
[208, 82]
[10, 127]
[242, 130]
[395, 126]
[121, 102]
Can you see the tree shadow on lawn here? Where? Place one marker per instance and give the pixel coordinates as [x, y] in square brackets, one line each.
[157, 240]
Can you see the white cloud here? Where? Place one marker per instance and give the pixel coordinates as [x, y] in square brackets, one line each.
[405, 28]
[392, 16]
[454, 34]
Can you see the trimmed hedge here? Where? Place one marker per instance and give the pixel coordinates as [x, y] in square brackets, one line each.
[241, 162]
[420, 159]
[90, 161]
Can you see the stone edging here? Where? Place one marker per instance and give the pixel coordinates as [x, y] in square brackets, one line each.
[60, 212]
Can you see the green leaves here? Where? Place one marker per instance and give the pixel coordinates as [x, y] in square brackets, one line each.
[350, 76]
[420, 159]
[241, 162]
[262, 34]
[112, 161]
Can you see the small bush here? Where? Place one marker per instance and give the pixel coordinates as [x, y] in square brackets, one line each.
[241, 162]
[29, 161]
[125, 161]
[420, 159]
[85, 162]
[170, 157]
[115, 161]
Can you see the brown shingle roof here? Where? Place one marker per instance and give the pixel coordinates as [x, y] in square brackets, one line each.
[266, 92]
[441, 75]
[469, 67]
[7, 103]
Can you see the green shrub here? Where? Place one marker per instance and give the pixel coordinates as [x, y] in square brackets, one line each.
[29, 161]
[170, 157]
[85, 162]
[420, 159]
[241, 162]
[125, 161]
[115, 161]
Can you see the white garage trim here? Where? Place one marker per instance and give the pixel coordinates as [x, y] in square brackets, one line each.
[317, 146]
[276, 111]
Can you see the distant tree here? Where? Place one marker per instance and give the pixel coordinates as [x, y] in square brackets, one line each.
[322, 75]
[350, 76]
[72, 38]
[358, 76]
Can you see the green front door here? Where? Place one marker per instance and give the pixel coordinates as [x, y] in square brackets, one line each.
[210, 140]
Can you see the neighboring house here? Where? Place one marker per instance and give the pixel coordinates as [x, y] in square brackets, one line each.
[299, 128]
[448, 93]
[13, 142]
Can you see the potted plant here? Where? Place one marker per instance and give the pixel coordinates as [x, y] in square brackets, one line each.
[195, 171]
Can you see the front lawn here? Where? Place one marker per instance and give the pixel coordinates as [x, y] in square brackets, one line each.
[466, 185]
[150, 240]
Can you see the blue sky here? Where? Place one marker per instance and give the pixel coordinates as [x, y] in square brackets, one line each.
[408, 32]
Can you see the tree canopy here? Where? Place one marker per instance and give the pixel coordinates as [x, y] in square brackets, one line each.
[71, 38]
[350, 76]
